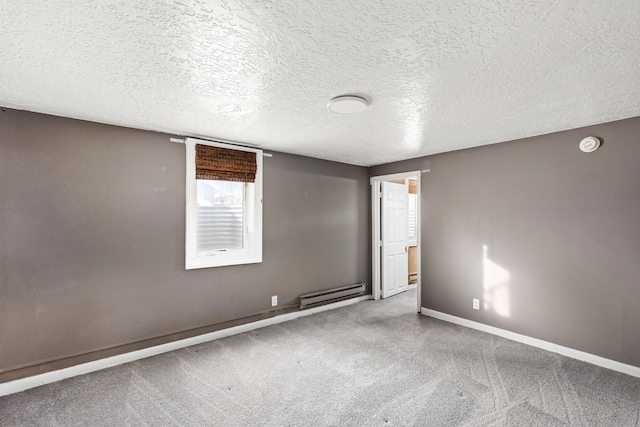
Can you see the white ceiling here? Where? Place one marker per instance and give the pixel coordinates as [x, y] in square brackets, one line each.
[441, 75]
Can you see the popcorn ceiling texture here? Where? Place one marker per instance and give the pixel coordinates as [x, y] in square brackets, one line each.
[440, 75]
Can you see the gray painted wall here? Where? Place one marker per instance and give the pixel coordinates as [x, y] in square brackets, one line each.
[564, 226]
[92, 242]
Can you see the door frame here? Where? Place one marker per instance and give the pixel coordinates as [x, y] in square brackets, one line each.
[375, 182]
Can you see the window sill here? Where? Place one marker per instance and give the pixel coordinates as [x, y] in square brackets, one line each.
[222, 260]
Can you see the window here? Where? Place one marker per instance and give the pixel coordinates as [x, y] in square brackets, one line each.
[224, 205]
[413, 200]
[411, 226]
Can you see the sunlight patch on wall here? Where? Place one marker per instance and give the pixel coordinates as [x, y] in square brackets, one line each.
[497, 296]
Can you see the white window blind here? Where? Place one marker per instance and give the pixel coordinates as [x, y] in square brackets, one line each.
[412, 217]
[220, 216]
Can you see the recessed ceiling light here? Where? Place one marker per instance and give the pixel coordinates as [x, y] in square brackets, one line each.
[347, 104]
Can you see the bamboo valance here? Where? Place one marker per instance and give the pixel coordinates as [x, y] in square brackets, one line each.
[223, 164]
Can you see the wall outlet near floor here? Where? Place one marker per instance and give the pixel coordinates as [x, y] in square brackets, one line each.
[476, 304]
[274, 300]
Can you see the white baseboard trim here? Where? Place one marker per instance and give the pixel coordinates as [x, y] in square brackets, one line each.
[545, 345]
[23, 384]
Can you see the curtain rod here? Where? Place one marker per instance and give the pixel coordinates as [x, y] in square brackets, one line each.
[182, 141]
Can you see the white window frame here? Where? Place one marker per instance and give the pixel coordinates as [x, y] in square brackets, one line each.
[252, 250]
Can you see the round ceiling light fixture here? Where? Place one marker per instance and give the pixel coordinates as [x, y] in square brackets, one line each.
[589, 144]
[347, 104]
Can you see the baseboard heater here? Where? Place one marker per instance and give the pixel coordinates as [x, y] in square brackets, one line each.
[332, 295]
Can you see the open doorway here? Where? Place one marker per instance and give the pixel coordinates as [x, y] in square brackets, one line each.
[395, 205]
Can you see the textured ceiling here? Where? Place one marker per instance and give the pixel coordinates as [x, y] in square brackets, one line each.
[440, 75]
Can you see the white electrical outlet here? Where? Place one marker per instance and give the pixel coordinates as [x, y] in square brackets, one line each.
[274, 300]
[476, 304]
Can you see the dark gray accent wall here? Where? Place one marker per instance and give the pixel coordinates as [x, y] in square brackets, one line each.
[92, 242]
[562, 231]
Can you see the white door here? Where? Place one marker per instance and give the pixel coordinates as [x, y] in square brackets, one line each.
[395, 262]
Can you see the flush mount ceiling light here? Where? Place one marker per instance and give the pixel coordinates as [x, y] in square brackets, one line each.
[347, 104]
[589, 144]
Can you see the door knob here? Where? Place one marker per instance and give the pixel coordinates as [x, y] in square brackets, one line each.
[406, 248]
